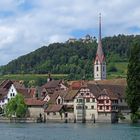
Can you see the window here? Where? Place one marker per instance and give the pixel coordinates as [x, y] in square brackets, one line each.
[82, 94]
[80, 100]
[107, 107]
[100, 107]
[48, 113]
[12, 90]
[97, 68]
[13, 94]
[107, 101]
[115, 101]
[92, 107]
[93, 99]
[78, 107]
[59, 101]
[54, 113]
[121, 100]
[87, 100]
[87, 94]
[103, 68]
[101, 101]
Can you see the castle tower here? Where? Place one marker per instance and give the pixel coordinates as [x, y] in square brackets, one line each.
[99, 63]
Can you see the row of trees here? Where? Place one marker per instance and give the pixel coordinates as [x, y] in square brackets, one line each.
[73, 58]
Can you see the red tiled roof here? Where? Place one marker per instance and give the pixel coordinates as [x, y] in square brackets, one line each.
[76, 85]
[24, 92]
[32, 92]
[34, 102]
[54, 108]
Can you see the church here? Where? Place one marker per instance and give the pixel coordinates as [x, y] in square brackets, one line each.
[100, 62]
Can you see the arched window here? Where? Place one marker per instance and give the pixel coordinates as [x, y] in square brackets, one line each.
[97, 68]
[103, 68]
[59, 101]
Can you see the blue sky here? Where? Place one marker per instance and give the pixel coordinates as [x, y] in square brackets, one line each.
[26, 25]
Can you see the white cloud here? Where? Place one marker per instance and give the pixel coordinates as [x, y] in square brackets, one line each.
[26, 25]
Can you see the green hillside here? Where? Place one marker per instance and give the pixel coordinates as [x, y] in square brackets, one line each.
[74, 59]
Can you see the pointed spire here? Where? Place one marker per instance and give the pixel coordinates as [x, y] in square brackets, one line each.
[100, 53]
[99, 26]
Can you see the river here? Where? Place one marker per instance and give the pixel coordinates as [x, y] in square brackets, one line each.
[62, 131]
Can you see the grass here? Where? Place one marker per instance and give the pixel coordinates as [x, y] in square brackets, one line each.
[30, 77]
[121, 70]
[121, 73]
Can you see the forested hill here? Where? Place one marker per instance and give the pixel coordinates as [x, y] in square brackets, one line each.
[71, 58]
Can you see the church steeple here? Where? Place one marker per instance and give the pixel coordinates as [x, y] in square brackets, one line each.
[100, 53]
[99, 63]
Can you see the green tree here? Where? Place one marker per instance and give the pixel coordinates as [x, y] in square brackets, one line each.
[16, 107]
[133, 81]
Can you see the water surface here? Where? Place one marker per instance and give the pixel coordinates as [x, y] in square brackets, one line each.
[62, 131]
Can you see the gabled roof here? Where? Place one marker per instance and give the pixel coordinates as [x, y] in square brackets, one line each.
[18, 85]
[94, 89]
[3, 93]
[109, 93]
[70, 95]
[34, 102]
[56, 94]
[54, 108]
[24, 92]
[6, 84]
[111, 86]
[52, 84]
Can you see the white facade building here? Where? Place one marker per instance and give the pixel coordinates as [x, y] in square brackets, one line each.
[10, 94]
[85, 106]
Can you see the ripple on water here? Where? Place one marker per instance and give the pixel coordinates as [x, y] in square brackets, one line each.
[62, 131]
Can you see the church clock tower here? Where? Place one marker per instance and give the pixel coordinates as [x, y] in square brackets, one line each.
[99, 63]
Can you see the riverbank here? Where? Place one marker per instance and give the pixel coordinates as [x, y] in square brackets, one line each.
[37, 120]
